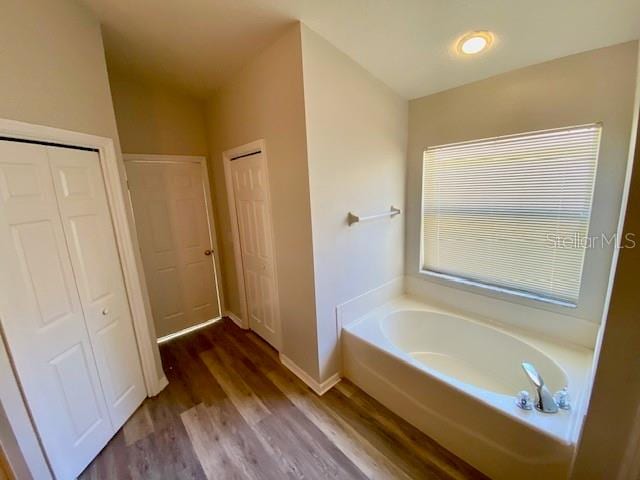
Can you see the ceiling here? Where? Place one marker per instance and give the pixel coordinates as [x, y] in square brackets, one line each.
[196, 44]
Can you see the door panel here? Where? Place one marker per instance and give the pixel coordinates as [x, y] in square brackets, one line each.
[42, 316]
[94, 256]
[72, 372]
[36, 246]
[173, 231]
[87, 240]
[252, 202]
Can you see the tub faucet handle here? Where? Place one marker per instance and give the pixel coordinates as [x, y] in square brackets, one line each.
[523, 400]
[544, 401]
[561, 398]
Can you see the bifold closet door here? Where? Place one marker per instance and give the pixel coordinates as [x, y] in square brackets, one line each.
[62, 306]
[42, 315]
[86, 220]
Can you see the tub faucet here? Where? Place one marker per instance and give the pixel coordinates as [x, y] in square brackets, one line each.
[544, 401]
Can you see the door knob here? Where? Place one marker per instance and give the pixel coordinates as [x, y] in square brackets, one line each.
[208, 252]
[105, 311]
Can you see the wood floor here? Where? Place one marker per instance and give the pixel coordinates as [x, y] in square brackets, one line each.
[232, 411]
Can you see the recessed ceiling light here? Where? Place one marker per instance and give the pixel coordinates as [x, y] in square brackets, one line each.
[475, 42]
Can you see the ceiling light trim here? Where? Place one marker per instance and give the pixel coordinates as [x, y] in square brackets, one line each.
[474, 43]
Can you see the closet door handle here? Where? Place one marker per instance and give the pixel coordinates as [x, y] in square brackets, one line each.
[208, 252]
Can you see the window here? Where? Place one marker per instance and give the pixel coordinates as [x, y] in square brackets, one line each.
[511, 213]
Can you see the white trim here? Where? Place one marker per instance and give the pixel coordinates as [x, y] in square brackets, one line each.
[235, 319]
[208, 199]
[211, 219]
[116, 198]
[319, 388]
[187, 330]
[227, 156]
[163, 382]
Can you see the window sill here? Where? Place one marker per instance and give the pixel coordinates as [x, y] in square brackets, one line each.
[484, 288]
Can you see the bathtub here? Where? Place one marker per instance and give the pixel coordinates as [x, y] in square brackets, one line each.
[455, 378]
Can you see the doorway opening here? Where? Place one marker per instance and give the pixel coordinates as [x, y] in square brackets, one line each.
[171, 201]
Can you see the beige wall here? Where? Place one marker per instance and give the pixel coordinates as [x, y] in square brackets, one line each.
[53, 73]
[265, 100]
[53, 67]
[335, 139]
[596, 86]
[155, 119]
[356, 143]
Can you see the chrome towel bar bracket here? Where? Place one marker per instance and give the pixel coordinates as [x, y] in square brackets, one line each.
[353, 218]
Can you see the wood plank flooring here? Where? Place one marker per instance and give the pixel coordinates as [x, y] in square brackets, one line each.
[232, 411]
[5, 470]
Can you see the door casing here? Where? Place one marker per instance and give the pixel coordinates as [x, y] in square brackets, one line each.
[11, 400]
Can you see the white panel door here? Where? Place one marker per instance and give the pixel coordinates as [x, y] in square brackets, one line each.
[42, 315]
[253, 211]
[94, 256]
[170, 209]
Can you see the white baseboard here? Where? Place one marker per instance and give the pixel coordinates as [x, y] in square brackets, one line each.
[236, 319]
[318, 388]
[159, 385]
[162, 383]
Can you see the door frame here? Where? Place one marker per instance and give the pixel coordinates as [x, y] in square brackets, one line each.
[242, 320]
[211, 221]
[11, 396]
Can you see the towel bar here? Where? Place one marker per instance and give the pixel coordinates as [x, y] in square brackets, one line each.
[353, 218]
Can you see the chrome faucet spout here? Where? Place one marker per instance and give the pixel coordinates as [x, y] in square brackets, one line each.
[544, 401]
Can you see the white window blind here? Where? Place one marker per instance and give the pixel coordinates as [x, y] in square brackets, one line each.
[512, 213]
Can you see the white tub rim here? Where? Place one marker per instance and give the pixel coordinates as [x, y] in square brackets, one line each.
[388, 348]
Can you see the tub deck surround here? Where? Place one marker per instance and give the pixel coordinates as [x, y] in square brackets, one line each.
[233, 411]
[456, 379]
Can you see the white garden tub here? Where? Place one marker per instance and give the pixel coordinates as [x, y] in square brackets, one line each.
[456, 379]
